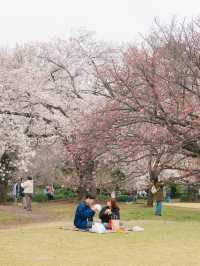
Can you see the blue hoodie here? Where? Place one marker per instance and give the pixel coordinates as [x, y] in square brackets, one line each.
[83, 214]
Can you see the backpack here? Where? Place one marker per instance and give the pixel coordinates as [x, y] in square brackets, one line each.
[154, 190]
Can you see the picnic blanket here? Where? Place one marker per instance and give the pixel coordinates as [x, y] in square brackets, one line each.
[121, 230]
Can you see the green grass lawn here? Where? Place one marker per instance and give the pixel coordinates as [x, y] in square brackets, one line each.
[170, 213]
[5, 217]
[173, 239]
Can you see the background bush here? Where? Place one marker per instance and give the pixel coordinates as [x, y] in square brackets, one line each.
[59, 194]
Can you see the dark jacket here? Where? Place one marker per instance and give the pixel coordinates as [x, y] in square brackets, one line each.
[83, 215]
[159, 195]
[105, 218]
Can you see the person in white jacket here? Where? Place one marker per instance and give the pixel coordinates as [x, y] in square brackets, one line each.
[28, 192]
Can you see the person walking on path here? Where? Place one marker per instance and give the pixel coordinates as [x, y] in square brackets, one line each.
[28, 192]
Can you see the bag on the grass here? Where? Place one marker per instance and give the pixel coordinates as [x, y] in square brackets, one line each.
[137, 229]
[98, 228]
[154, 190]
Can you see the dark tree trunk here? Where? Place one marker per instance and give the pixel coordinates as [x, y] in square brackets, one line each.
[192, 193]
[7, 166]
[82, 190]
[85, 166]
[149, 199]
[3, 192]
[153, 173]
[87, 185]
[150, 202]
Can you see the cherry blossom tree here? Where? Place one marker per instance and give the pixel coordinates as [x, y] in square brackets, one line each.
[135, 107]
[43, 86]
[156, 88]
[34, 108]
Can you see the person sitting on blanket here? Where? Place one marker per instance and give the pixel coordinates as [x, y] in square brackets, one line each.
[84, 213]
[109, 212]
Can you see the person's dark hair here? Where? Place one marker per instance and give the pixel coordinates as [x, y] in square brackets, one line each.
[114, 204]
[29, 178]
[90, 196]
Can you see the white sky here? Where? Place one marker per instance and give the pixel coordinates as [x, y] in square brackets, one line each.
[113, 20]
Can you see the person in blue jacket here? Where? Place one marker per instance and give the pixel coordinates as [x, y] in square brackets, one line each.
[84, 213]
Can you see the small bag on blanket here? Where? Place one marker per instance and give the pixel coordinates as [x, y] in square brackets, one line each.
[98, 228]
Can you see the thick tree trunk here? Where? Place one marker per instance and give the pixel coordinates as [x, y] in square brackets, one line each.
[149, 199]
[87, 180]
[3, 192]
[82, 188]
[87, 185]
[192, 193]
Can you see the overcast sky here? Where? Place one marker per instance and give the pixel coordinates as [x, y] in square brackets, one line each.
[113, 20]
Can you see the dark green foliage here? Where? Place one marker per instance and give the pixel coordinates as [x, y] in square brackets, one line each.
[123, 198]
[184, 197]
[60, 194]
[103, 197]
[7, 169]
[117, 177]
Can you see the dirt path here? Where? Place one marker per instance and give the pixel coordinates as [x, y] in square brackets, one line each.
[18, 216]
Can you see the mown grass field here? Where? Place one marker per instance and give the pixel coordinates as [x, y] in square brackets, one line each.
[173, 239]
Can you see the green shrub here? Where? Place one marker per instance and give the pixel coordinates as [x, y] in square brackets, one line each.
[102, 197]
[40, 197]
[9, 199]
[65, 193]
[123, 198]
[60, 194]
[184, 197]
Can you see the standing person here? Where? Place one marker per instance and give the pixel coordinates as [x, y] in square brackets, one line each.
[45, 190]
[21, 193]
[159, 197]
[28, 192]
[168, 197]
[14, 192]
[84, 213]
[109, 212]
[50, 192]
[113, 195]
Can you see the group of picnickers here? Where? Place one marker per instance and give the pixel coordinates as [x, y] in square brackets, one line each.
[86, 210]
[110, 213]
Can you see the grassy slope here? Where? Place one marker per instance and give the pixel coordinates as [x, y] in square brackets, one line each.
[162, 243]
[5, 217]
[170, 213]
[128, 212]
[171, 240]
